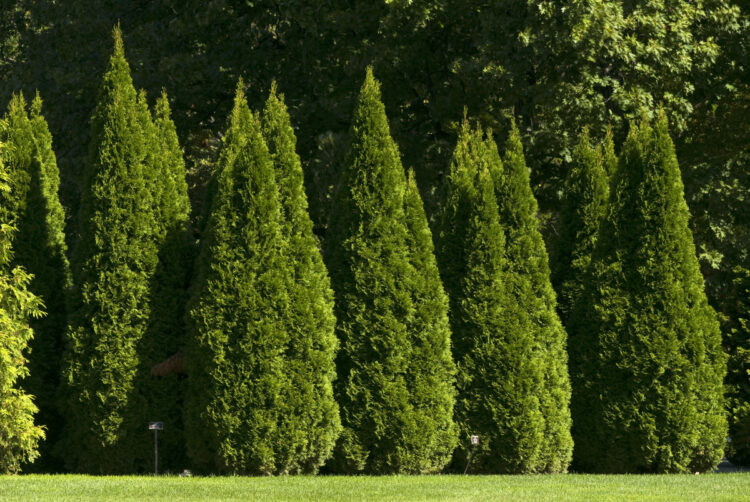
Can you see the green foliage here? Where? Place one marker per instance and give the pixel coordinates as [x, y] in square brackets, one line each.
[309, 421]
[113, 265]
[39, 247]
[500, 372]
[433, 369]
[391, 421]
[582, 208]
[231, 144]
[240, 341]
[19, 436]
[714, 158]
[609, 158]
[738, 379]
[161, 398]
[647, 362]
[529, 280]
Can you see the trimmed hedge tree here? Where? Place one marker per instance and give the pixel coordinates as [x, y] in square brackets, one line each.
[310, 423]
[19, 436]
[529, 280]
[647, 361]
[39, 247]
[113, 265]
[500, 369]
[391, 329]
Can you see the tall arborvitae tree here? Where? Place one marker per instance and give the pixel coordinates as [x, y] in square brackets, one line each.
[738, 383]
[113, 265]
[648, 349]
[584, 200]
[39, 247]
[310, 424]
[162, 398]
[391, 422]
[609, 158]
[231, 143]
[499, 368]
[19, 436]
[238, 333]
[433, 371]
[529, 280]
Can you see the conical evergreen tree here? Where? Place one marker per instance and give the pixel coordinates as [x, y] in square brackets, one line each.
[609, 158]
[113, 265]
[529, 279]
[238, 335]
[39, 247]
[389, 425]
[162, 398]
[499, 368]
[647, 353]
[231, 144]
[584, 201]
[310, 424]
[19, 436]
[433, 370]
[738, 365]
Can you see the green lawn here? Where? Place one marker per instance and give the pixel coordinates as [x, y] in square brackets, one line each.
[730, 487]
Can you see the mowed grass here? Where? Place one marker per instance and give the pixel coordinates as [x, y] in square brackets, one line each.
[729, 487]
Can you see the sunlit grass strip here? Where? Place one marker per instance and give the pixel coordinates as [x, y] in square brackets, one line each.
[729, 487]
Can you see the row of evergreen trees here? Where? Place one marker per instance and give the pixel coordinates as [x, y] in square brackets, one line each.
[416, 342]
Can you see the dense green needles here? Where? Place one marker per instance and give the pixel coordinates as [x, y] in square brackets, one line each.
[646, 349]
[391, 326]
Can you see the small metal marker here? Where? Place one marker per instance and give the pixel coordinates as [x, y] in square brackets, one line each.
[156, 427]
[474, 443]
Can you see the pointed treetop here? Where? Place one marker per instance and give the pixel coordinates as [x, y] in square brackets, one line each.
[17, 103]
[162, 108]
[117, 36]
[514, 146]
[370, 80]
[608, 153]
[239, 117]
[515, 197]
[36, 105]
[239, 93]
[369, 96]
